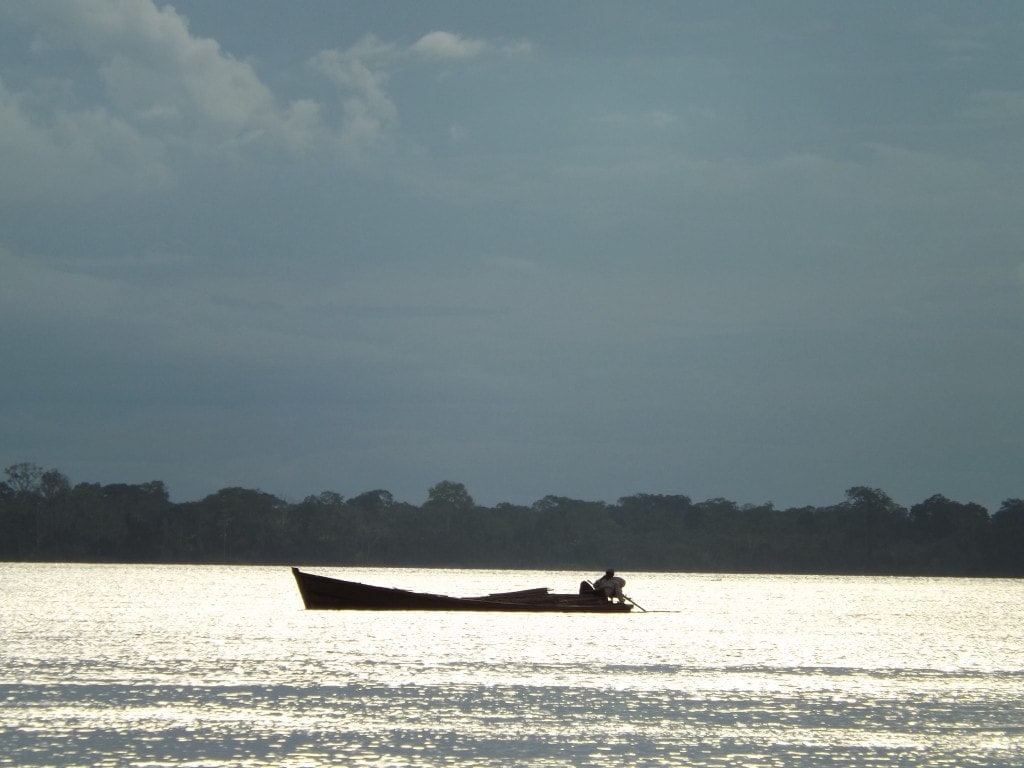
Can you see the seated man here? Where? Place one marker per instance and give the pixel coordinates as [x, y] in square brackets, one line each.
[610, 586]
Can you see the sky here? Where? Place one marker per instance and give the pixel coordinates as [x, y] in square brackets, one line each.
[759, 251]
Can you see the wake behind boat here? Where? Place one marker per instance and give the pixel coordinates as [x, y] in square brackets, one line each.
[322, 592]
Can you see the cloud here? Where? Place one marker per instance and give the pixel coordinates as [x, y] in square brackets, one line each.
[520, 48]
[157, 92]
[162, 91]
[73, 154]
[133, 98]
[446, 45]
[361, 73]
[151, 63]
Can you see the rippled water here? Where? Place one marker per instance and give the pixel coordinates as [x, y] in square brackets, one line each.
[221, 666]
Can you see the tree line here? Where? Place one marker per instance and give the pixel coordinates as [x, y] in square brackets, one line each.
[43, 517]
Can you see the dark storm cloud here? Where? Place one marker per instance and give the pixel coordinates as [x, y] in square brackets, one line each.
[586, 250]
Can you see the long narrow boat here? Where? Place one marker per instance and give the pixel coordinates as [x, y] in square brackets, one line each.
[322, 592]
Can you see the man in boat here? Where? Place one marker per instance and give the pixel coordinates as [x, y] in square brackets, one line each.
[610, 586]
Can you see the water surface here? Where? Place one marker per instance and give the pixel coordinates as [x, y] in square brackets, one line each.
[220, 666]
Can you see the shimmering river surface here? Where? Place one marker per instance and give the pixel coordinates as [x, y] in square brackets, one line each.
[108, 665]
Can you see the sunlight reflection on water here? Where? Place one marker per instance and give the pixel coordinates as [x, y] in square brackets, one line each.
[209, 666]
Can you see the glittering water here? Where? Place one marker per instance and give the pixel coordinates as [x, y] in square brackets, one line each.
[105, 665]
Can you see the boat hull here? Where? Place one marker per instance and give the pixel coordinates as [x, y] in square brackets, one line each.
[324, 593]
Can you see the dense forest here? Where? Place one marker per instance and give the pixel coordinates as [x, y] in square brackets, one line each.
[43, 517]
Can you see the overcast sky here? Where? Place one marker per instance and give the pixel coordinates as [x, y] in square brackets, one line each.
[762, 251]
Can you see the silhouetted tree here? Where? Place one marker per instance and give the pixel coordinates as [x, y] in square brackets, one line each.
[43, 517]
[53, 484]
[948, 537]
[869, 526]
[447, 495]
[1008, 535]
[24, 477]
[373, 501]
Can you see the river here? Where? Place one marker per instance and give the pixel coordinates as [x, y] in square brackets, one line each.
[161, 665]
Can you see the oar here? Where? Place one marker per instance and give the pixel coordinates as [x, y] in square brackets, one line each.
[634, 602]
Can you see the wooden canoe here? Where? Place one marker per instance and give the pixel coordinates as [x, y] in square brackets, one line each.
[324, 593]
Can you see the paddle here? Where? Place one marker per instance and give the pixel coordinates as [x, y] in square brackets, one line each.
[634, 602]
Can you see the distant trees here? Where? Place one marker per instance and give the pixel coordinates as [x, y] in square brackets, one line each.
[869, 526]
[949, 534]
[1008, 534]
[450, 496]
[24, 477]
[44, 517]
